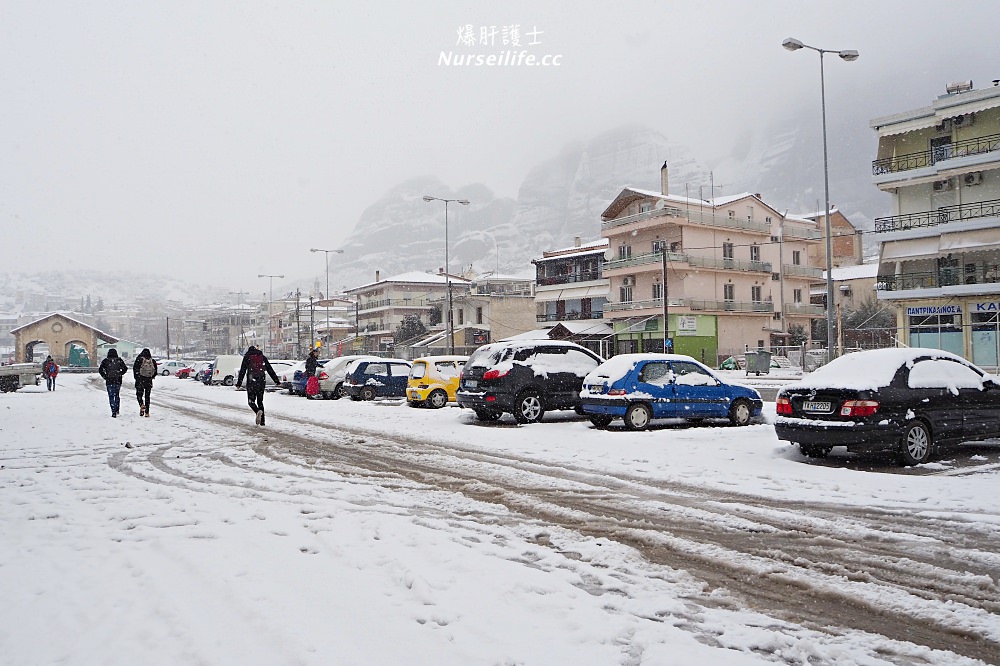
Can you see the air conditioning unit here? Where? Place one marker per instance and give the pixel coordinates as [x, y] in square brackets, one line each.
[628, 281]
[943, 185]
[974, 178]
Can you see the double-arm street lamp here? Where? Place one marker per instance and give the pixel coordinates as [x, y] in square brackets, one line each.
[326, 294]
[270, 299]
[449, 324]
[239, 313]
[849, 55]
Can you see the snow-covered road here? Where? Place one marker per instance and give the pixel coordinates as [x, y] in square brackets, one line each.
[374, 533]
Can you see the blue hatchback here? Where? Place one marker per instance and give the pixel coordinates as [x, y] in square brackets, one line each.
[638, 388]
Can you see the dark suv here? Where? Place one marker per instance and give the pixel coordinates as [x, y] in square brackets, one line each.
[524, 378]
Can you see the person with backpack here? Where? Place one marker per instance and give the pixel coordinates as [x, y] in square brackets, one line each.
[255, 368]
[312, 383]
[113, 369]
[49, 371]
[144, 369]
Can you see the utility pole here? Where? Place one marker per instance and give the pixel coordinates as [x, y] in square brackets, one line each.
[168, 338]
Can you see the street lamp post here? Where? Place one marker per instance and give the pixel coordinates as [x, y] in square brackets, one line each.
[449, 324]
[326, 294]
[792, 44]
[239, 313]
[270, 299]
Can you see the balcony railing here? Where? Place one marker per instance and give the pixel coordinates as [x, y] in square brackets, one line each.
[804, 309]
[395, 303]
[731, 264]
[925, 158]
[640, 259]
[978, 273]
[731, 306]
[695, 216]
[642, 305]
[583, 276]
[796, 232]
[639, 217]
[805, 271]
[942, 215]
[570, 316]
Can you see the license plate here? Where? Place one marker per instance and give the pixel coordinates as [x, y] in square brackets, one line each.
[471, 383]
[596, 388]
[814, 406]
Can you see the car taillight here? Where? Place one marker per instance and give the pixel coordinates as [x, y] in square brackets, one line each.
[859, 408]
[495, 374]
[783, 406]
[618, 391]
[322, 375]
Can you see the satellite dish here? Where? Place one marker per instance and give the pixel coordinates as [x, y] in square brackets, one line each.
[609, 254]
[660, 204]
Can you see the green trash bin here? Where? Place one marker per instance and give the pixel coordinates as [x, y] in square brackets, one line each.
[758, 362]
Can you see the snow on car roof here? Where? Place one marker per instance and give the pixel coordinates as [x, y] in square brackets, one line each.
[618, 366]
[866, 370]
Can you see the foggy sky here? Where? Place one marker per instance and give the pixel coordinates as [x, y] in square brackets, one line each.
[213, 141]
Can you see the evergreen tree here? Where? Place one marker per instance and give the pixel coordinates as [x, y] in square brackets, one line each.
[411, 327]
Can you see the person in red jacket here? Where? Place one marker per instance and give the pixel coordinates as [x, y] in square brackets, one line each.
[49, 371]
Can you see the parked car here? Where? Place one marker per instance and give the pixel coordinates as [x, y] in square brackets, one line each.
[206, 374]
[185, 372]
[225, 369]
[331, 377]
[911, 402]
[433, 380]
[294, 379]
[524, 378]
[378, 378]
[281, 368]
[170, 367]
[638, 388]
[199, 369]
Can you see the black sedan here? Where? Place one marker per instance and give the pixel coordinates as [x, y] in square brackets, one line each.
[910, 402]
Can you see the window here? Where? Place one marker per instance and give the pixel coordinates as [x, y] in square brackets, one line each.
[732, 215]
[461, 317]
[656, 373]
[645, 207]
[796, 257]
[796, 296]
[479, 315]
[727, 250]
[756, 293]
[657, 291]
[729, 292]
[659, 246]
[755, 253]
[689, 374]
[624, 251]
[625, 294]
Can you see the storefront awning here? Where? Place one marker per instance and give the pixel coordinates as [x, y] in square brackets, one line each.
[571, 293]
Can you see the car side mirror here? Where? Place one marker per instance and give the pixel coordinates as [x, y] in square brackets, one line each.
[990, 385]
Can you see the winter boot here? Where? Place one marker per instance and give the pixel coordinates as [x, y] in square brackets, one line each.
[146, 413]
[142, 410]
[260, 416]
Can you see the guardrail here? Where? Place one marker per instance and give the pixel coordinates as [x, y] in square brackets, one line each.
[925, 158]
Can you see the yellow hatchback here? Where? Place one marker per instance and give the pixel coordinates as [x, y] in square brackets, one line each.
[434, 380]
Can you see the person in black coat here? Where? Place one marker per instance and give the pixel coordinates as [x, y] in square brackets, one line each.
[255, 367]
[144, 369]
[312, 362]
[112, 368]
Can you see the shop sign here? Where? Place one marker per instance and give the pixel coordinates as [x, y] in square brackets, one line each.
[687, 323]
[934, 310]
[986, 307]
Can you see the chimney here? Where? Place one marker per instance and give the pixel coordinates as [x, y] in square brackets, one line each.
[664, 179]
[576, 241]
[376, 276]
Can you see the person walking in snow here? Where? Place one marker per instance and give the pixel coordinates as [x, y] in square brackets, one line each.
[113, 369]
[144, 369]
[255, 368]
[49, 371]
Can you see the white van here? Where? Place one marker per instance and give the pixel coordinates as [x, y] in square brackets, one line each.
[226, 369]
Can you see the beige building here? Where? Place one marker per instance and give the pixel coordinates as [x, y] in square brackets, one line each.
[846, 247]
[939, 262]
[736, 272]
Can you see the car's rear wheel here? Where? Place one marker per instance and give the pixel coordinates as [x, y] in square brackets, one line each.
[815, 450]
[637, 416]
[916, 445]
[529, 407]
[437, 399]
[368, 393]
[739, 412]
[601, 420]
[338, 391]
[228, 381]
[487, 415]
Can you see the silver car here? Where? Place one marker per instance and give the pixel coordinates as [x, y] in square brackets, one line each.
[331, 376]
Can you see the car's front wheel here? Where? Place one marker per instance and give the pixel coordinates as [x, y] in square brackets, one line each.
[739, 412]
[529, 407]
[638, 416]
[165, 372]
[916, 445]
[601, 420]
[437, 399]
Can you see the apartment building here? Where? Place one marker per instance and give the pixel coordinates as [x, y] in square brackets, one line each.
[734, 272]
[570, 284]
[939, 262]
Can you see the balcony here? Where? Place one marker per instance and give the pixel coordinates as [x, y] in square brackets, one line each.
[943, 215]
[396, 303]
[804, 309]
[926, 158]
[731, 306]
[694, 216]
[805, 234]
[731, 264]
[798, 270]
[570, 316]
[583, 276]
[978, 273]
[649, 304]
[641, 259]
[640, 217]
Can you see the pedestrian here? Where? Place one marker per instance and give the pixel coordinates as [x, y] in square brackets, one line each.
[113, 369]
[255, 368]
[144, 369]
[312, 383]
[49, 371]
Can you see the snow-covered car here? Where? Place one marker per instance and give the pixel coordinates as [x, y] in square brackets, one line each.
[171, 367]
[282, 368]
[199, 369]
[910, 402]
[434, 380]
[378, 378]
[524, 378]
[331, 377]
[638, 388]
[294, 379]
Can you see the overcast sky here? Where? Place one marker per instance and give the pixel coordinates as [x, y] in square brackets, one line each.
[217, 140]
